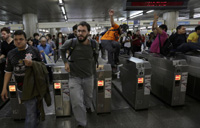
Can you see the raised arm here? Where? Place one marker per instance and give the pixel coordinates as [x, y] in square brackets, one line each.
[111, 13]
[155, 26]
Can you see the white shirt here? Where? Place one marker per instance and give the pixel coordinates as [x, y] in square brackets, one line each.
[126, 44]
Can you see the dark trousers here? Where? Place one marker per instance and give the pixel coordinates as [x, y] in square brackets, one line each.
[186, 47]
[127, 50]
[113, 48]
[135, 48]
[2, 73]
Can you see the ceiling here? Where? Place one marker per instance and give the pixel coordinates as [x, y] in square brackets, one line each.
[11, 11]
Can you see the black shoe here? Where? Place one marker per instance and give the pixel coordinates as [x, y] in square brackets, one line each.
[89, 111]
[80, 126]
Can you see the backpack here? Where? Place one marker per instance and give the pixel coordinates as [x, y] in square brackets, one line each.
[93, 45]
[166, 48]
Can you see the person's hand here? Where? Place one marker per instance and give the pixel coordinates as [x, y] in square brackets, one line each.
[41, 51]
[28, 62]
[67, 67]
[111, 12]
[50, 54]
[4, 94]
[156, 16]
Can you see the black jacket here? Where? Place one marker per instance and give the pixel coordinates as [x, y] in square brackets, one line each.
[177, 39]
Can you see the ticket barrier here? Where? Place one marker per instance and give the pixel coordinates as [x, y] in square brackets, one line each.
[169, 79]
[136, 82]
[18, 109]
[61, 90]
[193, 83]
[102, 89]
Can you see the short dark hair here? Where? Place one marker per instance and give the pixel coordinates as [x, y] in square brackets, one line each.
[163, 27]
[20, 32]
[83, 23]
[30, 39]
[35, 34]
[59, 34]
[7, 30]
[179, 27]
[197, 28]
[49, 35]
[74, 27]
[129, 32]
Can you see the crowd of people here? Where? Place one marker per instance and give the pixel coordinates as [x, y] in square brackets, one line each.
[18, 54]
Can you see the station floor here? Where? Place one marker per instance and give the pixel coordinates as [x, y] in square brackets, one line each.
[159, 115]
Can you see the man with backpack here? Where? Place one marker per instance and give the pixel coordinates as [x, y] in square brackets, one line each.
[109, 41]
[161, 36]
[81, 68]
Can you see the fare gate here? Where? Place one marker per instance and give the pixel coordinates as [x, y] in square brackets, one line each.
[136, 82]
[169, 79]
[61, 89]
[102, 89]
[193, 83]
[18, 109]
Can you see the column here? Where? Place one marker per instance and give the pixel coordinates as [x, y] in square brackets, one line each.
[171, 19]
[30, 24]
[53, 31]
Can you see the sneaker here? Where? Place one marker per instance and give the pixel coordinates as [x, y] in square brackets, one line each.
[80, 126]
[89, 111]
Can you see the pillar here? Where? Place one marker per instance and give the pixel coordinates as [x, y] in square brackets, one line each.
[171, 19]
[52, 31]
[30, 24]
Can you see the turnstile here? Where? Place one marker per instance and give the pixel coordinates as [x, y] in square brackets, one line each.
[169, 79]
[18, 109]
[102, 90]
[135, 75]
[61, 89]
[193, 84]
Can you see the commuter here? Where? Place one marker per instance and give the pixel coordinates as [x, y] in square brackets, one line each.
[74, 34]
[109, 41]
[143, 42]
[103, 54]
[46, 52]
[6, 46]
[30, 41]
[127, 42]
[161, 35]
[50, 41]
[193, 43]
[30, 81]
[82, 70]
[54, 38]
[150, 39]
[193, 37]
[59, 42]
[36, 39]
[136, 42]
[179, 37]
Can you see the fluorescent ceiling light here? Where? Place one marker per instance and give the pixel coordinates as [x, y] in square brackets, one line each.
[60, 2]
[2, 23]
[136, 16]
[149, 26]
[196, 15]
[65, 17]
[136, 13]
[136, 26]
[63, 10]
[182, 18]
[122, 19]
[130, 29]
[150, 11]
[143, 28]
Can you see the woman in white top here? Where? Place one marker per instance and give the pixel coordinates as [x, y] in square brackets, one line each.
[127, 42]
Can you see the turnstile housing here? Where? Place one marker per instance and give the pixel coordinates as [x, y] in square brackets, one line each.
[135, 75]
[61, 89]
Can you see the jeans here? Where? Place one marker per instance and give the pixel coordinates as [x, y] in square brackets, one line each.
[31, 112]
[113, 48]
[81, 95]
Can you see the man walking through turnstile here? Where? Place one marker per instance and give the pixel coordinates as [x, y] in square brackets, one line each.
[24, 63]
[82, 68]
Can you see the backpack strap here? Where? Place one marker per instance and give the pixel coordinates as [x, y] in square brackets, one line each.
[93, 45]
[71, 48]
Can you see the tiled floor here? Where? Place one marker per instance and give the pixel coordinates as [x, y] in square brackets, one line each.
[159, 115]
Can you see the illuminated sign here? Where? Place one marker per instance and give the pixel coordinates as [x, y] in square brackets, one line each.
[140, 80]
[57, 85]
[100, 83]
[178, 77]
[12, 88]
[157, 3]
